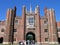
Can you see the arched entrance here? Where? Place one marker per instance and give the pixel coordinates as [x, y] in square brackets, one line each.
[59, 40]
[30, 36]
[1, 40]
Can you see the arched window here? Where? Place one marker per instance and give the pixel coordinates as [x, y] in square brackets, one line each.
[16, 21]
[2, 30]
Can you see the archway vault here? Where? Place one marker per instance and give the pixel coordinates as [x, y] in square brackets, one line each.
[30, 36]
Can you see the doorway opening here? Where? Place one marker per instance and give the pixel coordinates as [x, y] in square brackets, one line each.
[59, 40]
[1, 40]
[30, 38]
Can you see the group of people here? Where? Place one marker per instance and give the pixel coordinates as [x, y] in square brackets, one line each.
[28, 42]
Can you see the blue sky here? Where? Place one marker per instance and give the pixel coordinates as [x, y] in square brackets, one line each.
[5, 4]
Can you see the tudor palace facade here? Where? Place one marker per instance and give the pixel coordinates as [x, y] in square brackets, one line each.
[31, 26]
